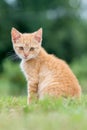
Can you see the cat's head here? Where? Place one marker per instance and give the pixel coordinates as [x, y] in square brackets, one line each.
[26, 45]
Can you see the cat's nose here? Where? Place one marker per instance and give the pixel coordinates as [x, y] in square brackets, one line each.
[25, 55]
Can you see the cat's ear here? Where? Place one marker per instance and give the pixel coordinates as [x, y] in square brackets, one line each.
[38, 35]
[15, 35]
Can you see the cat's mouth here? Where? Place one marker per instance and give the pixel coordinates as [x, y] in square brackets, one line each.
[26, 58]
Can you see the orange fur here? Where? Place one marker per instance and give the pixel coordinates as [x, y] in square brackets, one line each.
[45, 73]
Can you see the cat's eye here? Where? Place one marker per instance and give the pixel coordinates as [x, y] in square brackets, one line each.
[32, 49]
[21, 48]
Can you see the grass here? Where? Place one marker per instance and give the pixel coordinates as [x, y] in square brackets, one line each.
[49, 114]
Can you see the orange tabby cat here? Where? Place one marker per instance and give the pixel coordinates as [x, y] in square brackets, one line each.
[45, 73]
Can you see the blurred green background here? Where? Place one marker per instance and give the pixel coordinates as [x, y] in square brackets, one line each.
[64, 24]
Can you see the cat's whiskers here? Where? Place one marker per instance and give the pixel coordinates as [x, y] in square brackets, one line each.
[12, 55]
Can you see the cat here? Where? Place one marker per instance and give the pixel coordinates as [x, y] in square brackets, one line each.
[45, 73]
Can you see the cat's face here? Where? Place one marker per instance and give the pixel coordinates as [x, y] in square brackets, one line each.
[27, 45]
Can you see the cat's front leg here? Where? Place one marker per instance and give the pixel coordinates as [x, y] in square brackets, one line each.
[32, 92]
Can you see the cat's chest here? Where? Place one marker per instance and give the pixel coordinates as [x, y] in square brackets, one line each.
[45, 77]
[29, 69]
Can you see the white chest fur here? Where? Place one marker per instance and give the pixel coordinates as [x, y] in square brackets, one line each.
[22, 68]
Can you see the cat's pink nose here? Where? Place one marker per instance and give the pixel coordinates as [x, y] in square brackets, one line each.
[25, 55]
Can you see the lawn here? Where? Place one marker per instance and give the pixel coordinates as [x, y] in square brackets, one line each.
[49, 114]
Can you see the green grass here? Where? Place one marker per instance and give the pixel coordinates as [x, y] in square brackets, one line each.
[49, 114]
